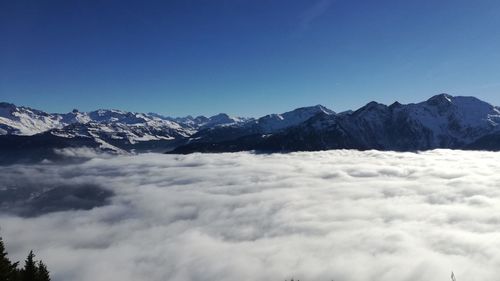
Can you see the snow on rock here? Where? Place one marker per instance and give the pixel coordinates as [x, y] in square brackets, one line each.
[465, 118]
[26, 121]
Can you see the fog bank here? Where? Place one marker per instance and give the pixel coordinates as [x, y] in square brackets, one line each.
[335, 215]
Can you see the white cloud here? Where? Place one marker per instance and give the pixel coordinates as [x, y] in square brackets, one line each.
[82, 152]
[336, 215]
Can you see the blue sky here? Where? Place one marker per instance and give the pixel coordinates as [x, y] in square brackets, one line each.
[245, 57]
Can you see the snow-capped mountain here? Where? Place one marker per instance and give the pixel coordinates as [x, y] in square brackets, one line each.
[443, 121]
[26, 121]
[115, 130]
[456, 118]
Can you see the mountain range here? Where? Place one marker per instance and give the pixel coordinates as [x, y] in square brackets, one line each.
[443, 121]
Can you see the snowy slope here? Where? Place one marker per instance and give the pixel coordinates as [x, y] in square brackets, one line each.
[464, 118]
[110, 128]
[26, 121]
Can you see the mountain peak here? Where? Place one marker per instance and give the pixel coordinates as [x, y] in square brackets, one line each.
[373, 105]
[441, 99]
[395, 104]
[220, 115]
[324, 109]
[444, 101]
[313, 109]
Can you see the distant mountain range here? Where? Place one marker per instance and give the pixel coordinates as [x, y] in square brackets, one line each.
[443, 121]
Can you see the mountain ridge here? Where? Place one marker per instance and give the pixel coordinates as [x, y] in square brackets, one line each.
[442, 121]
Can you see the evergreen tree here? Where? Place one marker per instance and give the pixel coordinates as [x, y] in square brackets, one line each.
[42, 272]
[8, 270]
[29, 272]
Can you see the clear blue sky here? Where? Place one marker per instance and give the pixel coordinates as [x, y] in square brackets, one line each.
[245, 57]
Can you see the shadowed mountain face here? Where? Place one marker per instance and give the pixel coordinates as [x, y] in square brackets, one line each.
[443, 121]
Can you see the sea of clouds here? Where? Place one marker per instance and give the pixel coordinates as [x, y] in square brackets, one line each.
[335, 215]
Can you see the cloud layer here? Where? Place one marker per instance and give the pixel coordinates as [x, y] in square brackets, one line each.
[336, 215]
